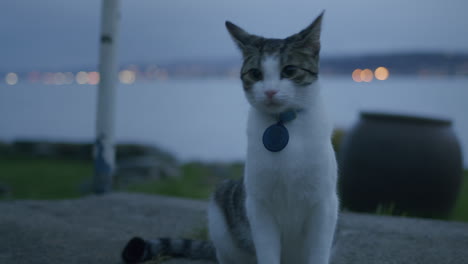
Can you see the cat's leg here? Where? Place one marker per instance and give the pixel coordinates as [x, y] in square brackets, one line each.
[265, 233]
[219, 234]
[226, 250]
[319, 232]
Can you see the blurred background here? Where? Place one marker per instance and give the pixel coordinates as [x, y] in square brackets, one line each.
[181, 114]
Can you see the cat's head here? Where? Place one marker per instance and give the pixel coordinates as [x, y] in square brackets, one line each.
[277, 74]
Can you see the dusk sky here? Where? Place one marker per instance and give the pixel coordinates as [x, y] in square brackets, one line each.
[60, 34]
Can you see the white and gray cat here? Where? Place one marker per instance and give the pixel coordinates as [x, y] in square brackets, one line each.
[285, 208]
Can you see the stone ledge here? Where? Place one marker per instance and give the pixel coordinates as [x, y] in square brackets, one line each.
[94, 229]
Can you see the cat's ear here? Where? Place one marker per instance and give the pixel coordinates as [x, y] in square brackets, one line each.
[309, 38]
[244, 40]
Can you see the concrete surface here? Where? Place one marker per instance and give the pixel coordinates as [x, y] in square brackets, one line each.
[95, 229]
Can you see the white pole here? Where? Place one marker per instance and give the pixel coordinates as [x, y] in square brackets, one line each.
[104, 152]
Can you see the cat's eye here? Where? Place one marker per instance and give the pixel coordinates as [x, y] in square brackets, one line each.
[289, 71]
[255, 74]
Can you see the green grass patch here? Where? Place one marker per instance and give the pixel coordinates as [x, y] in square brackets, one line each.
[51, 178]
[197, 181]
[389, 209]
[200, 233]
[460, 212]
[43, 178]
[192, 184]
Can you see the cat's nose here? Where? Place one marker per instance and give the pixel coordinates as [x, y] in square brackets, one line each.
[270, 93]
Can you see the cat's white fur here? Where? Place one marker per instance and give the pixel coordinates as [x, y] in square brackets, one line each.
[291, 199]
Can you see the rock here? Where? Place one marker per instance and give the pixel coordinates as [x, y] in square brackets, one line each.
[143, 168]
[125, 151]
[137, 163]
[94, 229]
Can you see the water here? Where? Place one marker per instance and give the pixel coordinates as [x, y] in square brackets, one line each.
[206, 119]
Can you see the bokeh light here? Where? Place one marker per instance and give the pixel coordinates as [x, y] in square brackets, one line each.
[381, 73]
[366, 75]
[59, 78]
[93, 78]
[11, 78]
[82, 77]
[48, 78]
[34, 76]
[357, 75]
[127, 76]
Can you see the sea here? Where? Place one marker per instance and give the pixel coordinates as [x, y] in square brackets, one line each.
[205, 119]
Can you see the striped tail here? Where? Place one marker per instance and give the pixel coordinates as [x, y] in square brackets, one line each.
[138, 250]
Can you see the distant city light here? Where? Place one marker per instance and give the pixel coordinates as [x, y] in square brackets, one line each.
[93, 78]
[381, 73]
[162, 74]
[81, 77]
[34, 76]
[11, 78]
[127, 76]
[59, 78]
[48, 78]
[356, 75]
[367, 75]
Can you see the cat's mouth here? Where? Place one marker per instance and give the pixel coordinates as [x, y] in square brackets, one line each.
[272, 102]
[274, 105]
[270, 105]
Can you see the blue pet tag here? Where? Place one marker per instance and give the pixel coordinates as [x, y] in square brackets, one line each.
[276, 137]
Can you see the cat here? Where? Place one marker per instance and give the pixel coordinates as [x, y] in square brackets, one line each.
[285, 209]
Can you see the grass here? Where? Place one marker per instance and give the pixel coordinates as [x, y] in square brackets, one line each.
[460, 212]
[36, 178]
[197, 181]
[389, 210]
[46, 178]
[192, 184]
[200, 233]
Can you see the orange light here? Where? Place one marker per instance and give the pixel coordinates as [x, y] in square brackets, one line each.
[367, 75]
[93, 78]
[381, 73]
[357, 75]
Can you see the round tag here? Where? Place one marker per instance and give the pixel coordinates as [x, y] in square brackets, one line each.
[276, 137]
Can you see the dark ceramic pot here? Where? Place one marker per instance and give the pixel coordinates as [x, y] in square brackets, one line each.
[408, 165]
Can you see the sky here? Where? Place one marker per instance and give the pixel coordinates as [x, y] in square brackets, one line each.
[60, 34]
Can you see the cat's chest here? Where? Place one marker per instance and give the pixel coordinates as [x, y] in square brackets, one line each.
[291, 173]
[297, 179]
